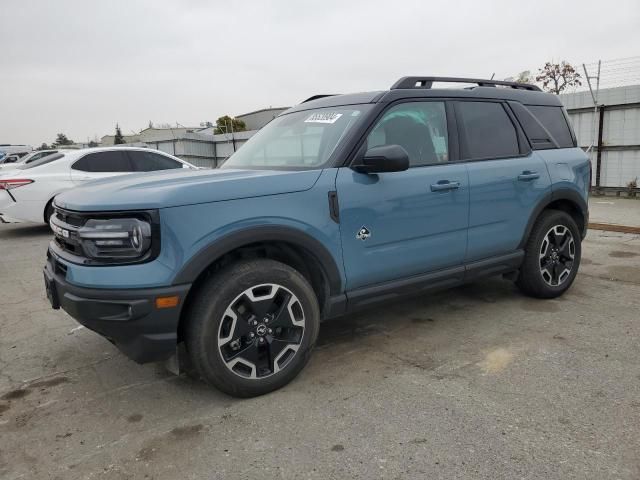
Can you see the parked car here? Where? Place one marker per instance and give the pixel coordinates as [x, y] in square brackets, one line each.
[15, 161]
[12, 158]
[337, 204]
[7, 149]
[27, 192]
[9, 159]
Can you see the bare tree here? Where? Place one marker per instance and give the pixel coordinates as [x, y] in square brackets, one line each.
[556, 77]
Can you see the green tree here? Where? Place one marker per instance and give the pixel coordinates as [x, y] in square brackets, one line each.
[119, 138]
[61, 140]
[93, 144]
[44, 146]
[557, 77]
[524, 77]
[227, 124]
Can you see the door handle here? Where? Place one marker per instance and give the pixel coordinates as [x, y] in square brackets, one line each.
[528, 175]
[444, 185]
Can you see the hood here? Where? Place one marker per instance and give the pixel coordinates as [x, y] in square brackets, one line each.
[173, 188]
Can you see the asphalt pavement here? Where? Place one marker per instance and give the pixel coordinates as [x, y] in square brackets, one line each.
[474, 382]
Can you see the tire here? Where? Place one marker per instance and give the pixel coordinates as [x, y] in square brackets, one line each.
[552, 256]
[276, 325]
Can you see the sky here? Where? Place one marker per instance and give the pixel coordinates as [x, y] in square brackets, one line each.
[79, 67]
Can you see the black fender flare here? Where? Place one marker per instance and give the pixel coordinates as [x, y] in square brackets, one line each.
[46, 205]
[553, 196]
[262, 233]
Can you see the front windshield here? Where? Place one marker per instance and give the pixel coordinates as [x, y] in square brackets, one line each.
[299, 140]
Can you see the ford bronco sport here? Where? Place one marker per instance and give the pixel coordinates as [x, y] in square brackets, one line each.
[338, 203]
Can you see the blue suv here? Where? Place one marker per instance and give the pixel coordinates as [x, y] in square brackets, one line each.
[339, 203]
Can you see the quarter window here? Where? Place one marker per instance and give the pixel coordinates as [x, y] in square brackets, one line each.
[418, 127]
[487, 131]
[553, 120]
[114, 161]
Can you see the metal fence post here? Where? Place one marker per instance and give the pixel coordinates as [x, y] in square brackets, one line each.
[599, 153]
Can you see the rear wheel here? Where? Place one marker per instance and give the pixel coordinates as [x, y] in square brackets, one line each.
[252, 327]
[552, 256]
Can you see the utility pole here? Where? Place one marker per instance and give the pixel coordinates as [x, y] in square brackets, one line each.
[596, 129]
[233, 139]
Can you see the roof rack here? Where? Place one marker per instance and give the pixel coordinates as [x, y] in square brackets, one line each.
[427, 82]
[316, 97]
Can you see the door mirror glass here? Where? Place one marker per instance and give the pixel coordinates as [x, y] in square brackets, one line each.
[382, 159]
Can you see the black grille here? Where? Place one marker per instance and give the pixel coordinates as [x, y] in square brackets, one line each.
[67, 238]
[70, 218]
[68, 246]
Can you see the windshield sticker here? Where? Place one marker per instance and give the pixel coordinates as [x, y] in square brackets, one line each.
[329, 117]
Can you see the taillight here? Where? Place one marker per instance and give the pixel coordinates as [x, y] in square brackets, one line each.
[14, 183]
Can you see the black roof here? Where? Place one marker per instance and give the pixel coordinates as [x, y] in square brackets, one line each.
[420, 87]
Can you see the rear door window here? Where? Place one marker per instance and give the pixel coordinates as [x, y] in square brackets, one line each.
[115, 161]
[486, 131]
[150, 162]
[555, 122]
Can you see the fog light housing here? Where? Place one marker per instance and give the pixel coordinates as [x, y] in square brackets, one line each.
[115, 238]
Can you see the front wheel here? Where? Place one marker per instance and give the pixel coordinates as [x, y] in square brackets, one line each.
[552, 256]
[252, 327]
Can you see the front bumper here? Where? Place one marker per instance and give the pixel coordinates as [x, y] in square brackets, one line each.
[127, 318]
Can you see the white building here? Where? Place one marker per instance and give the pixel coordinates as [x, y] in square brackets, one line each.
[258, 119]
[612, 130]
[199, 145]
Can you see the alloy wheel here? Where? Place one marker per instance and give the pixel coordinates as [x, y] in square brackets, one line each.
[557, 255]
[261, 331]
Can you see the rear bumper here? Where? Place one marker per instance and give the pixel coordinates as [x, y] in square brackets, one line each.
[15, 209]
[127, 318]
[6, 204]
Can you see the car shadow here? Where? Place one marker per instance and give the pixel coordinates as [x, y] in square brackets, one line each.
[415, 310]
[20, 230]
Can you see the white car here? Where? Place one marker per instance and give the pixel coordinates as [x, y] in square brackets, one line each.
[14, 161]
[26, 192]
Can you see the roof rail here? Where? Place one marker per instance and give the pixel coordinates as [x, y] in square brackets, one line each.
[427, 82]
[316, 97]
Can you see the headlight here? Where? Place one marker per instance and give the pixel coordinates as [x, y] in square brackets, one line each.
[115, 238]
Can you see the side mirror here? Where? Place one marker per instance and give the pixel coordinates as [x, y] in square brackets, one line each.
[385, 158]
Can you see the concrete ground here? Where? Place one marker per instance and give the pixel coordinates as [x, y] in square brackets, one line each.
[613, 210]
[475, 382]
